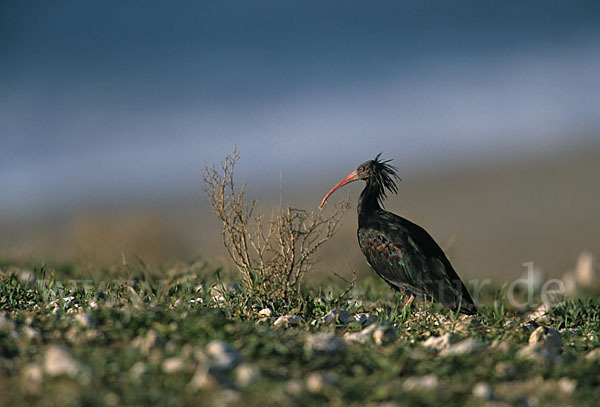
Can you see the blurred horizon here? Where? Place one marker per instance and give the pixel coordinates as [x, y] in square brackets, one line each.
[108, 101]
[109, 111]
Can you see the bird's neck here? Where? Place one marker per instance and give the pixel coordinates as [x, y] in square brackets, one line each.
[369, 200]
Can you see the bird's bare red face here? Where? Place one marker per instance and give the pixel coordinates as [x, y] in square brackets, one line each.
[353, 176]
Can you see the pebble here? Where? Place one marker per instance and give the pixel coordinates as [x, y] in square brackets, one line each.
[323, 343]
[483, 391]
[465, 347]
[547, 338]
[173, 365]
[30, 333]
[320, 382]
[541, 314]
[593, 354]
[222, 356]
[203, 379]
[566, 385]
[138, 370]
[246, 374]
[424, 383]
[84, 319]
[383, 335]
[265, 312]
[362, 336]
[32, 377]
[294, 387]
[26, 277]
[338, 315]
[145, 343]
[439, 343]
[58, 361]
[544, 344]
[465, 323]
[288, 320]
[502, 346]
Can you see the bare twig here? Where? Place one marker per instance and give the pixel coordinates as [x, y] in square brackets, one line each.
[272, 259]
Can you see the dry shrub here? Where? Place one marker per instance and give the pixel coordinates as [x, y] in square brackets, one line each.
[272, 256]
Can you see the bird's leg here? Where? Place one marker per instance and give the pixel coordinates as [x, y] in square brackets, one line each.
[409, 300]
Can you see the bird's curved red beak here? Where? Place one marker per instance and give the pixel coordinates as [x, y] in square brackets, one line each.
[353, 176]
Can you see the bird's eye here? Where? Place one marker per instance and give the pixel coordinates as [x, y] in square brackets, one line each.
[361, 169]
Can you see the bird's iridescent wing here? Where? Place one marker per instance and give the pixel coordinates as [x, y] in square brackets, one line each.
[395, 262]
[407, 257]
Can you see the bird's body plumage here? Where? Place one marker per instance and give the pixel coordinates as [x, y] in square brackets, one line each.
[402, 253]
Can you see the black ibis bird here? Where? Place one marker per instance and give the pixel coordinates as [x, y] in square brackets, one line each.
[401, 252]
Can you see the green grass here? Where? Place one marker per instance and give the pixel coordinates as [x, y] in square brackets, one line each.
[133, 321]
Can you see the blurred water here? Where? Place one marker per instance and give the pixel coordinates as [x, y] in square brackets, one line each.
[108, 101]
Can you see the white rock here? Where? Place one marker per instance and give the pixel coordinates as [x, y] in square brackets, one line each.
[288, 320]
[362, 336]
[465, 324]
[137, 370]
[547, 338]
[246, 374]
[483, 391]
[541, 314]
[294, 387]
[32, 377]
[58, 361]
[173, 365]
[593, 354]
[84, 319]
[465, 347]
[319, 382]
[567, 385]
[337, 315]
[26, 277]
[203, 379]
[222, 356]
[265, 312]
[30, 333]
[424, 383]
[323, 343]
[441, 342]
[544, 344]
[145, 343]
[383, 335]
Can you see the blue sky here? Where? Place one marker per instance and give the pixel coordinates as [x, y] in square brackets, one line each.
[106, 100]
